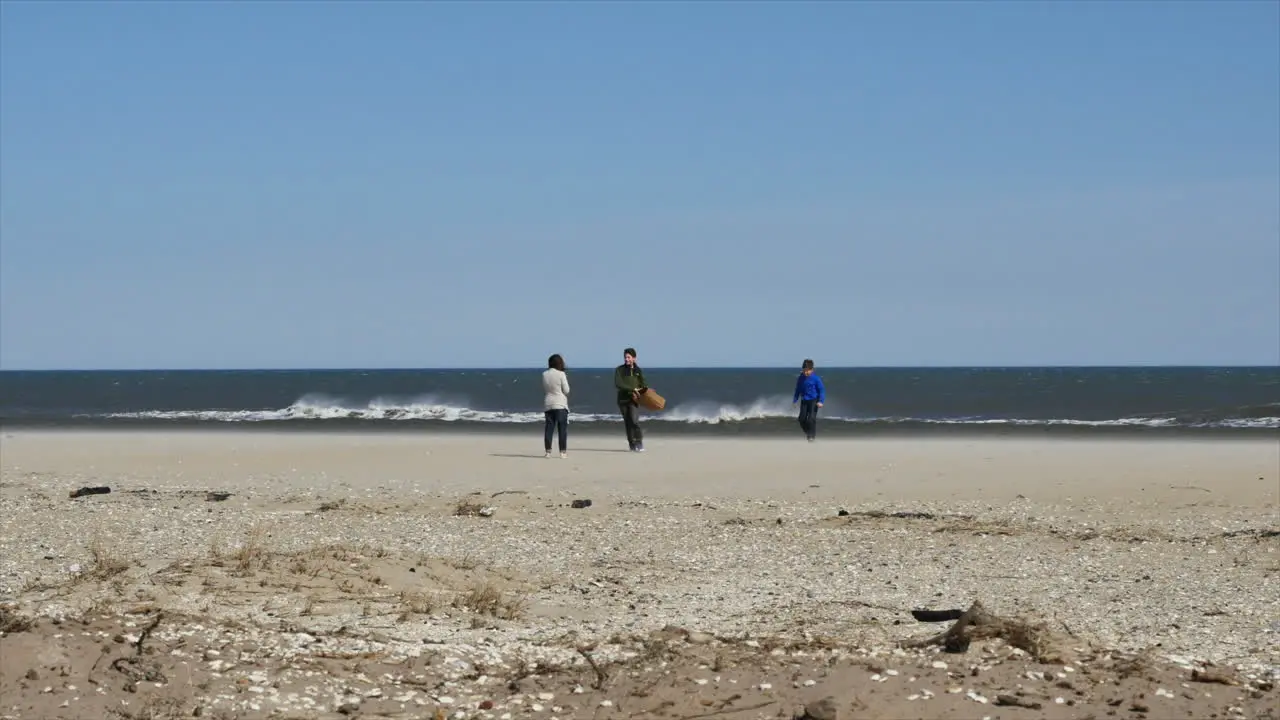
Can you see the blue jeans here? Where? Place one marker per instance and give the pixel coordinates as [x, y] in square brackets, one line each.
[556, 420]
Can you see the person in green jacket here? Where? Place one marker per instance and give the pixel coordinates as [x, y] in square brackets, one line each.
[628, 378]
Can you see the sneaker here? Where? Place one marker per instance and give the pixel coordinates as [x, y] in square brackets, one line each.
[640, 448]
[547, 454]
[564, 456]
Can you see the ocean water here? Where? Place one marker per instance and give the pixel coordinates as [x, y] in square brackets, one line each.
[1221, 400]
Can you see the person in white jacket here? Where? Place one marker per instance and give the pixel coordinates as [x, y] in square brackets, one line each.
[555, 401]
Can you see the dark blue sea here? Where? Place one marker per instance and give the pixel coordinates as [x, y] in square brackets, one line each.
[1071, 400]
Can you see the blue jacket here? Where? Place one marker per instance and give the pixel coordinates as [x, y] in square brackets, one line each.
[809, 388]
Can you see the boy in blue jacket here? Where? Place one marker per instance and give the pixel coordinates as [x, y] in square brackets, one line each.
[810, 393]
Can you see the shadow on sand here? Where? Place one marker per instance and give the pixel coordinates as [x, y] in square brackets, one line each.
[556, 455]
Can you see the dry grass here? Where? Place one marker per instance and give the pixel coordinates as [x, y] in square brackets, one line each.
[252, 555]
[103, 563]
[318, 580]
[1033, 638]
[485, 598]
[973, 526]
[466, 562]
[467, 508]
[416, 602]
[1137, 664]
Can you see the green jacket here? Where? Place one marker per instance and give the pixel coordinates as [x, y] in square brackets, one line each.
[628, 382]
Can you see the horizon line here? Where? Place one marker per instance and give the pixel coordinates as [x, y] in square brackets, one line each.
[443, 368]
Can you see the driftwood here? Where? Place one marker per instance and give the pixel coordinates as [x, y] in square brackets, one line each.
[1213, 676]
[1015, 701]
[91, 490]
[978, 624]
[934, 616]
[602, 675]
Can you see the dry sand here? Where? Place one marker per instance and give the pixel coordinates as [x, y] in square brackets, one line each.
[433, 576]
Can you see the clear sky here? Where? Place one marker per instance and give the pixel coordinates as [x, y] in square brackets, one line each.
[413, 184]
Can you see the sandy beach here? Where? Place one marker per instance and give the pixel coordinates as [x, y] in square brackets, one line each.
[300, 575]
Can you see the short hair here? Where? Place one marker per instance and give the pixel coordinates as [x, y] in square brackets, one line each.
[807, 365]
[556, 362]
[630, 351]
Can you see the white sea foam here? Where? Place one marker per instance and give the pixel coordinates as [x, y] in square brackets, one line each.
[776, 406]
[321, 407]
[315, 407]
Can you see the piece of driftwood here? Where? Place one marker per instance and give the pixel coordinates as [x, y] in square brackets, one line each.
[936, 616]
[977, 623]
[1213, 676]
[94, 490]
[1015, 701]
[896, 515]
[602, 675]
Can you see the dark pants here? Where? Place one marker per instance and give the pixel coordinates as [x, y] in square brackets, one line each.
[556, 420]
[631, 421]
[809, 418]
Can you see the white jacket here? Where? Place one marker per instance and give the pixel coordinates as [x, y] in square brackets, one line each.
[555, 386]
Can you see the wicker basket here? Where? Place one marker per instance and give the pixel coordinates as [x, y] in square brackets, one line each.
[651, 400]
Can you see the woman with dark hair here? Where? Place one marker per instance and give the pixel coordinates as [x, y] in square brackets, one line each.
[555, 401]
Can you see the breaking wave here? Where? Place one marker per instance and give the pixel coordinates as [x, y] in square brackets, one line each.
[764, 410]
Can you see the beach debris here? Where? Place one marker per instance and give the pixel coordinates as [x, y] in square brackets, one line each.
[602, 675]
[978, 624]
[466, 508]
[580, 504]
[1212, 676]
[824, 709]
[902, 515]
[138, 669]
[150, 494]
[1015, 701]
[935, 616]
[349, 705]
[90, 490]
[12, 622]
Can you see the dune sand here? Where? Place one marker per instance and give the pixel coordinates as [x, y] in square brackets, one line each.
[315, 575]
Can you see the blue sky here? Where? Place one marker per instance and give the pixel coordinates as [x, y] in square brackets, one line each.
[258, 184]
